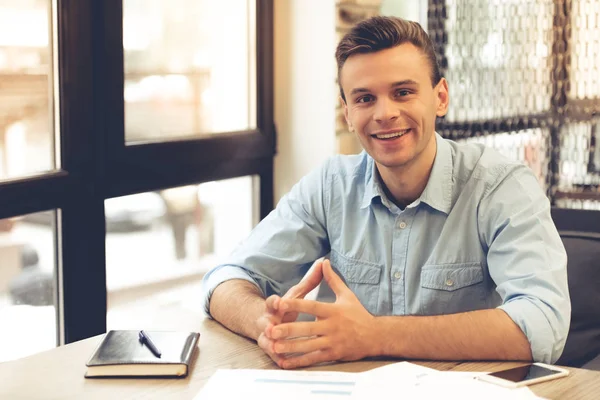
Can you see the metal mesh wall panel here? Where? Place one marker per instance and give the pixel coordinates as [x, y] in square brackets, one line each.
[524, 77]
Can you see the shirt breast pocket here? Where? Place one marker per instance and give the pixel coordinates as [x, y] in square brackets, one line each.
[451, 288]
[362, 277]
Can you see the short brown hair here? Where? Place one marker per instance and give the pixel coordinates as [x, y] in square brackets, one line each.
[379, 33]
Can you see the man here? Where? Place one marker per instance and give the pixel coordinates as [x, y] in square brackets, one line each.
[438, 250]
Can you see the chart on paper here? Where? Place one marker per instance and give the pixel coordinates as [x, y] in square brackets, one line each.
[279, 384]
[413, 381]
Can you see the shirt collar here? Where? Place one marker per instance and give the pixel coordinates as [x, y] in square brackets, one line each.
[373, 187]
[437, 192]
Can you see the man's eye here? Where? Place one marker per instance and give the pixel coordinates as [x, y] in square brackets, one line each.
[402, 92]
[364, 99]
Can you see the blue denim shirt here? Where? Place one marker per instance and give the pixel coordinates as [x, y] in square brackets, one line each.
[480, 236]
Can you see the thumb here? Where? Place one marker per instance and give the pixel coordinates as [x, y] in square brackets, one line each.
[308, 283]
[333, 280]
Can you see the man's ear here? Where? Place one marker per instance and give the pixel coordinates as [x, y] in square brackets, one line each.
[443, 98]
[345, 106]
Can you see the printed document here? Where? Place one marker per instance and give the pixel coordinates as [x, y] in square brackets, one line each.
[402, 379]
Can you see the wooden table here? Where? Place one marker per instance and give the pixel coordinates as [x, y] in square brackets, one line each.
[58, 373]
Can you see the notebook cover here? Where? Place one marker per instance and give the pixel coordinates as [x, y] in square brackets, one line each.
[122, 348]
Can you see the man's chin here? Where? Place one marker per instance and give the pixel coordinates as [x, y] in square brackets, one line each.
[390, 160]
[392, 163]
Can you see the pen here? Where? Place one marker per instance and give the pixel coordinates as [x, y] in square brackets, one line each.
[145, 339]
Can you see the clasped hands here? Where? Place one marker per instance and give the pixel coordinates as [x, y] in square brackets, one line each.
[342, 331]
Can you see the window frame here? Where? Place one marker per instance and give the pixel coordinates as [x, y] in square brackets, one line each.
[97, 164]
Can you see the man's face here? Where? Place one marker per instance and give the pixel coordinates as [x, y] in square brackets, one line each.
[391, 104]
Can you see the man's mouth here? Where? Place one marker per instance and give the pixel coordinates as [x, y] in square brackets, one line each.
[391, 135]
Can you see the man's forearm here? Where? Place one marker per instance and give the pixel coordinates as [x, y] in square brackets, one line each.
[476, 335]
[238, 304]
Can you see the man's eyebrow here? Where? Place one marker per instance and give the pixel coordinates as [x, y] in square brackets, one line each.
[395, 84]
[359, 90]
[405, 82]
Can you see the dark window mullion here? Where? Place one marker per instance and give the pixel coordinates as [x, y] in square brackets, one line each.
[81, 261]
[34, 194]
[138, 180]
[110, 74]
[265, 99]
[230, 147]
[265, 71]
[266, 188]
[185, 161]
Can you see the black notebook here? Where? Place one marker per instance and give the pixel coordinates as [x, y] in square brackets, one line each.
[122, 354]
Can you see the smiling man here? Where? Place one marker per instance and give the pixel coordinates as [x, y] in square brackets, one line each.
[437, 250]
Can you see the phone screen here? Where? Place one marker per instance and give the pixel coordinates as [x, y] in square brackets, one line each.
[524, 373]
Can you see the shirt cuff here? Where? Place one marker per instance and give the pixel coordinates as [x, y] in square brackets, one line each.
[546, 344]
[217, 276]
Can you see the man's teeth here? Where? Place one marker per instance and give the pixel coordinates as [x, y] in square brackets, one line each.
[392, 135]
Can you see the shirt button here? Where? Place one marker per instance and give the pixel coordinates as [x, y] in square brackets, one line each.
[398, 275]
[449, 282]
[402, 225]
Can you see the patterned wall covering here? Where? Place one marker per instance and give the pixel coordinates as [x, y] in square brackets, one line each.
[524, 77]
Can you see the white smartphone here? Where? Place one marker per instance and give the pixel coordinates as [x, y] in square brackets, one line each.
[529, 374]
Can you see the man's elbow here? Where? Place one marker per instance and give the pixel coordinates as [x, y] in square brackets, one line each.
[546, 327]
[559, 322]
[562, 325]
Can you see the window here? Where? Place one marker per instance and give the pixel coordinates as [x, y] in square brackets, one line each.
[26, 88]
[189, 68]
[85, 154]
[28, 313]
[164, 240]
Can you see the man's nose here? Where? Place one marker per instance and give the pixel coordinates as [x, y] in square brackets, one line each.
[386, 111]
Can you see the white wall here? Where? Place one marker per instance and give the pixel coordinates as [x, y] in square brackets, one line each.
[305, 91]
[414, 10]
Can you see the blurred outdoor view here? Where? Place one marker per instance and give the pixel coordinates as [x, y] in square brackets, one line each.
[171, 241]
[190, 67]
[26, 88]
[27, 262]
[183, 78]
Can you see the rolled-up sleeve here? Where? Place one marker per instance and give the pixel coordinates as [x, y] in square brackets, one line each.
[527, 260]
[283, 246]
[218, 275]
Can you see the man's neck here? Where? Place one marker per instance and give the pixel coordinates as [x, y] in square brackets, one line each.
[404, 184]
